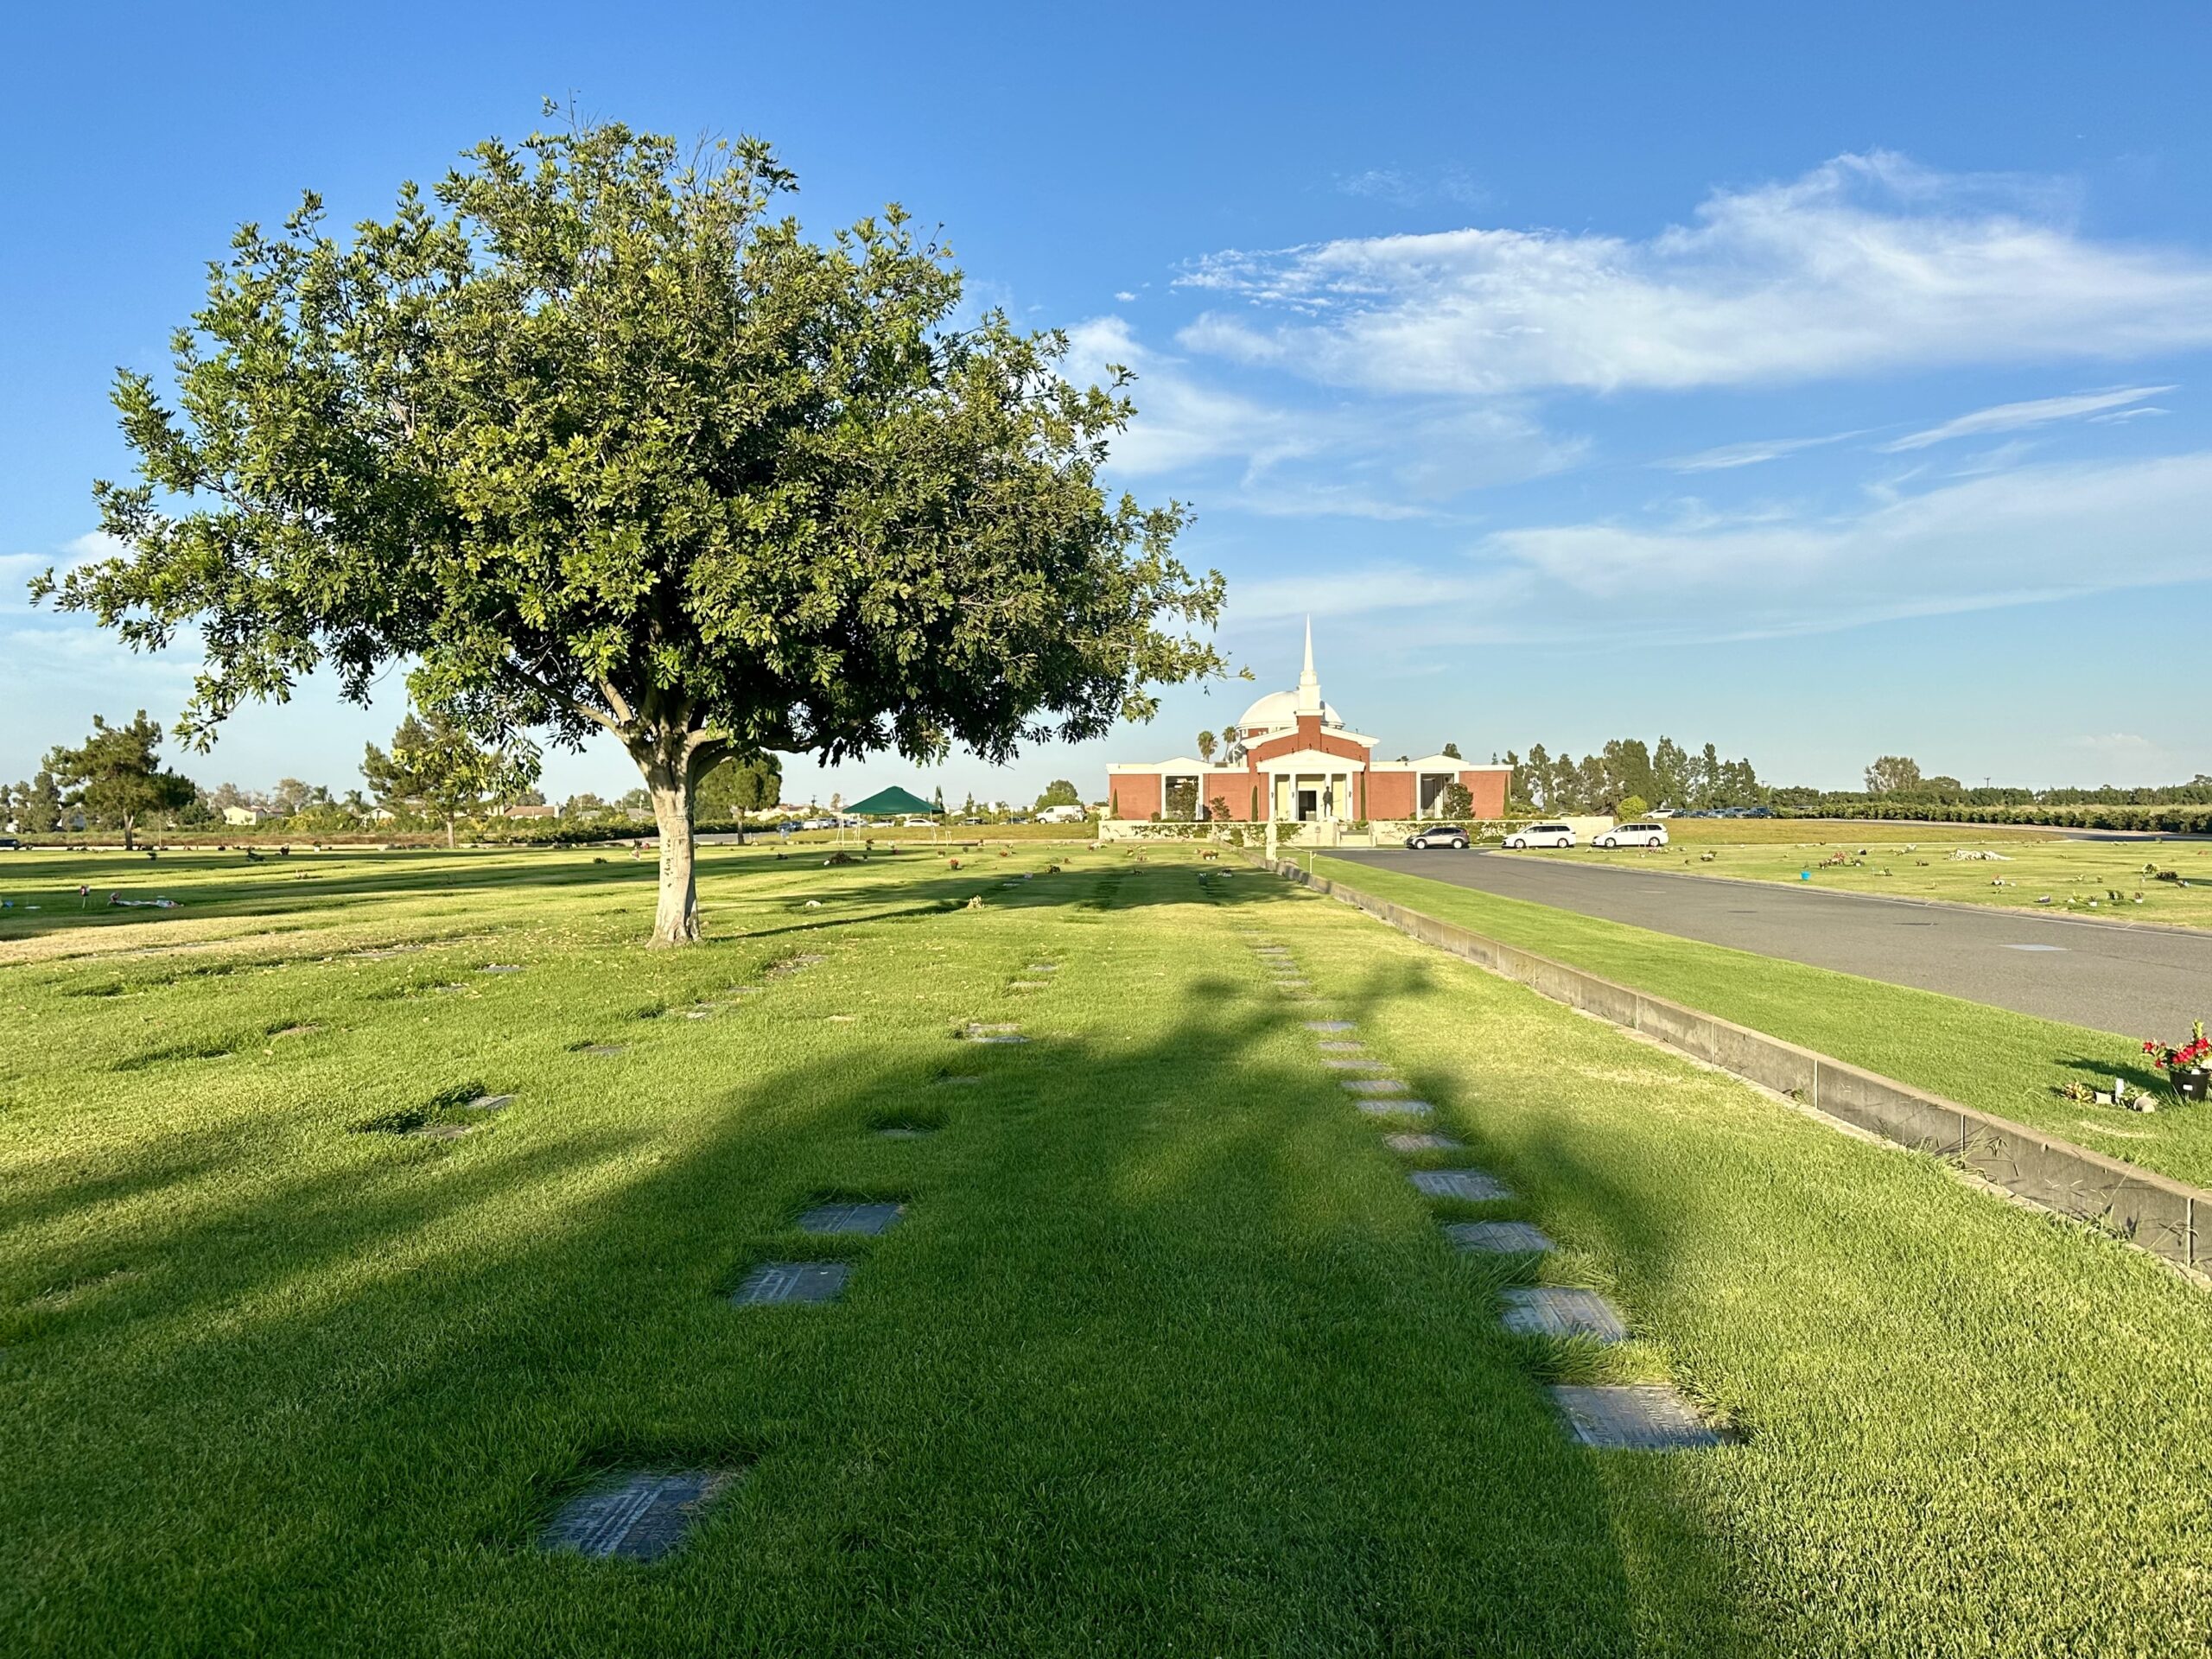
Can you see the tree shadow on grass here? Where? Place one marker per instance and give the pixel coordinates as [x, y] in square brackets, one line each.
[1165, 1353]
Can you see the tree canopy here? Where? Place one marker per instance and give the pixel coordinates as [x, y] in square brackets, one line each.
[596, 441]
[1894, 774]
[740, 785]
[116, 775]
[437, 768]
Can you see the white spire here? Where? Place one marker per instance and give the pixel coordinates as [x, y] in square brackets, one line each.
[1309, 683]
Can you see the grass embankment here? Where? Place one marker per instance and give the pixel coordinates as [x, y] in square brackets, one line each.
[2006, 1063]
[2078, 878]
[1166, 1355]
[1759, 832]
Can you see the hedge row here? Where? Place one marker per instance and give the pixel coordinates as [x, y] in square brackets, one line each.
[2169, 820]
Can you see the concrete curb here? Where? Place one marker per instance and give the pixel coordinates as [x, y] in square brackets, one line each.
[2167, 1217]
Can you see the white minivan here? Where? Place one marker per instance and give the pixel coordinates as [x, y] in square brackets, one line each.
[1541, 835]
[1641, 833]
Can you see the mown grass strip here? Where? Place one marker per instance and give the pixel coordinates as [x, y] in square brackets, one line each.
[2008, 1064]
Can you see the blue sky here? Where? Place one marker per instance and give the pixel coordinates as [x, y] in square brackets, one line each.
[1820, 386]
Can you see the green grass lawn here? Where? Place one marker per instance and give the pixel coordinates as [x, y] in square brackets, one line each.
[2078, 878]
[2006, 1063]
[1166, 1356]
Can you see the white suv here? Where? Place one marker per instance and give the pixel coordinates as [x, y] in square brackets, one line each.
[1541, 835]
[1641, 833]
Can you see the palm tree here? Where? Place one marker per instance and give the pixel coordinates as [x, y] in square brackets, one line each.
[1205, 747]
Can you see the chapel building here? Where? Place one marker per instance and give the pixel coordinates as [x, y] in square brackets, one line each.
[1292, 760]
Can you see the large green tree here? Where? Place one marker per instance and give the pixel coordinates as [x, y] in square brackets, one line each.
[36, 805]
[597, 441]
[436, 767]
[1893, 774]
[116, 775]
[741, 784]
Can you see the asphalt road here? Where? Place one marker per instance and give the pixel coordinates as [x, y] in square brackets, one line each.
[2138, 981]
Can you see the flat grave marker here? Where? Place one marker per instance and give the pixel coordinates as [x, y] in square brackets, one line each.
[791, 1282]
[1561, 1311]
[638, 1516]
[488, 1104]
[1330, 1025]
[1337, 1063]
[1043, 968]
[1334, 1047]
[1373, 1085]
[1389, 1106]
[1425, 1142]
[1499, 1237]
[1475, 1185]
[866, 1218]
[978, 1032]
[501, 968]
[1636, 1417]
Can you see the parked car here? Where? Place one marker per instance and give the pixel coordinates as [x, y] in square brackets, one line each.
[818, 823]
[1437, 834]
[9, 843]
[1642, 833]
[1541, 835]
[918, 823]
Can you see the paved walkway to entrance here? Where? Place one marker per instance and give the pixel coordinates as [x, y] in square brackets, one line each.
[2138, 981]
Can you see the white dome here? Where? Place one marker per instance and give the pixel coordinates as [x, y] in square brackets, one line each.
[1278, 710]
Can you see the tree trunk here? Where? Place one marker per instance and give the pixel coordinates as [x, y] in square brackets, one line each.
[128, 846]
[667, 760]
[449, 840]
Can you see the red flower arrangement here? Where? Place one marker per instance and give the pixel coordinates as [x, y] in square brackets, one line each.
[2190, 1054]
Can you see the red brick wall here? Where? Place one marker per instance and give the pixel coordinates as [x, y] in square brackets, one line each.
[1234, 790]
[1133, 794]
[1489, 790]
[1386, 794]
[1309, 735]
[1389, 794]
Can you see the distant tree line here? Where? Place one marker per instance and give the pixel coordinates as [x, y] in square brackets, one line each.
[434, 775]
[1627, 769]
[1627, 776]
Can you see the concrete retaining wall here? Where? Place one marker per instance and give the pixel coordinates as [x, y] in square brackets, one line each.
[2165, 1217]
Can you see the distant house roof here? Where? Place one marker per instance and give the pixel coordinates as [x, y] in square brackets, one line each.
[892, 802]
[532, 812]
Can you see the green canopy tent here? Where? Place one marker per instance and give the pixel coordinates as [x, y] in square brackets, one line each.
[892, 803]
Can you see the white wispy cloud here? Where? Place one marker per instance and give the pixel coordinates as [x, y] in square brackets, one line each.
[1403, 188]
[1680, 572]
[1351, 459]
[1865, 265]
[2029, 533]
[1749, 454]
[2012, 417]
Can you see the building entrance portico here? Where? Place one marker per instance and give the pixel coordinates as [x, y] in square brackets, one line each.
[1307, 795]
